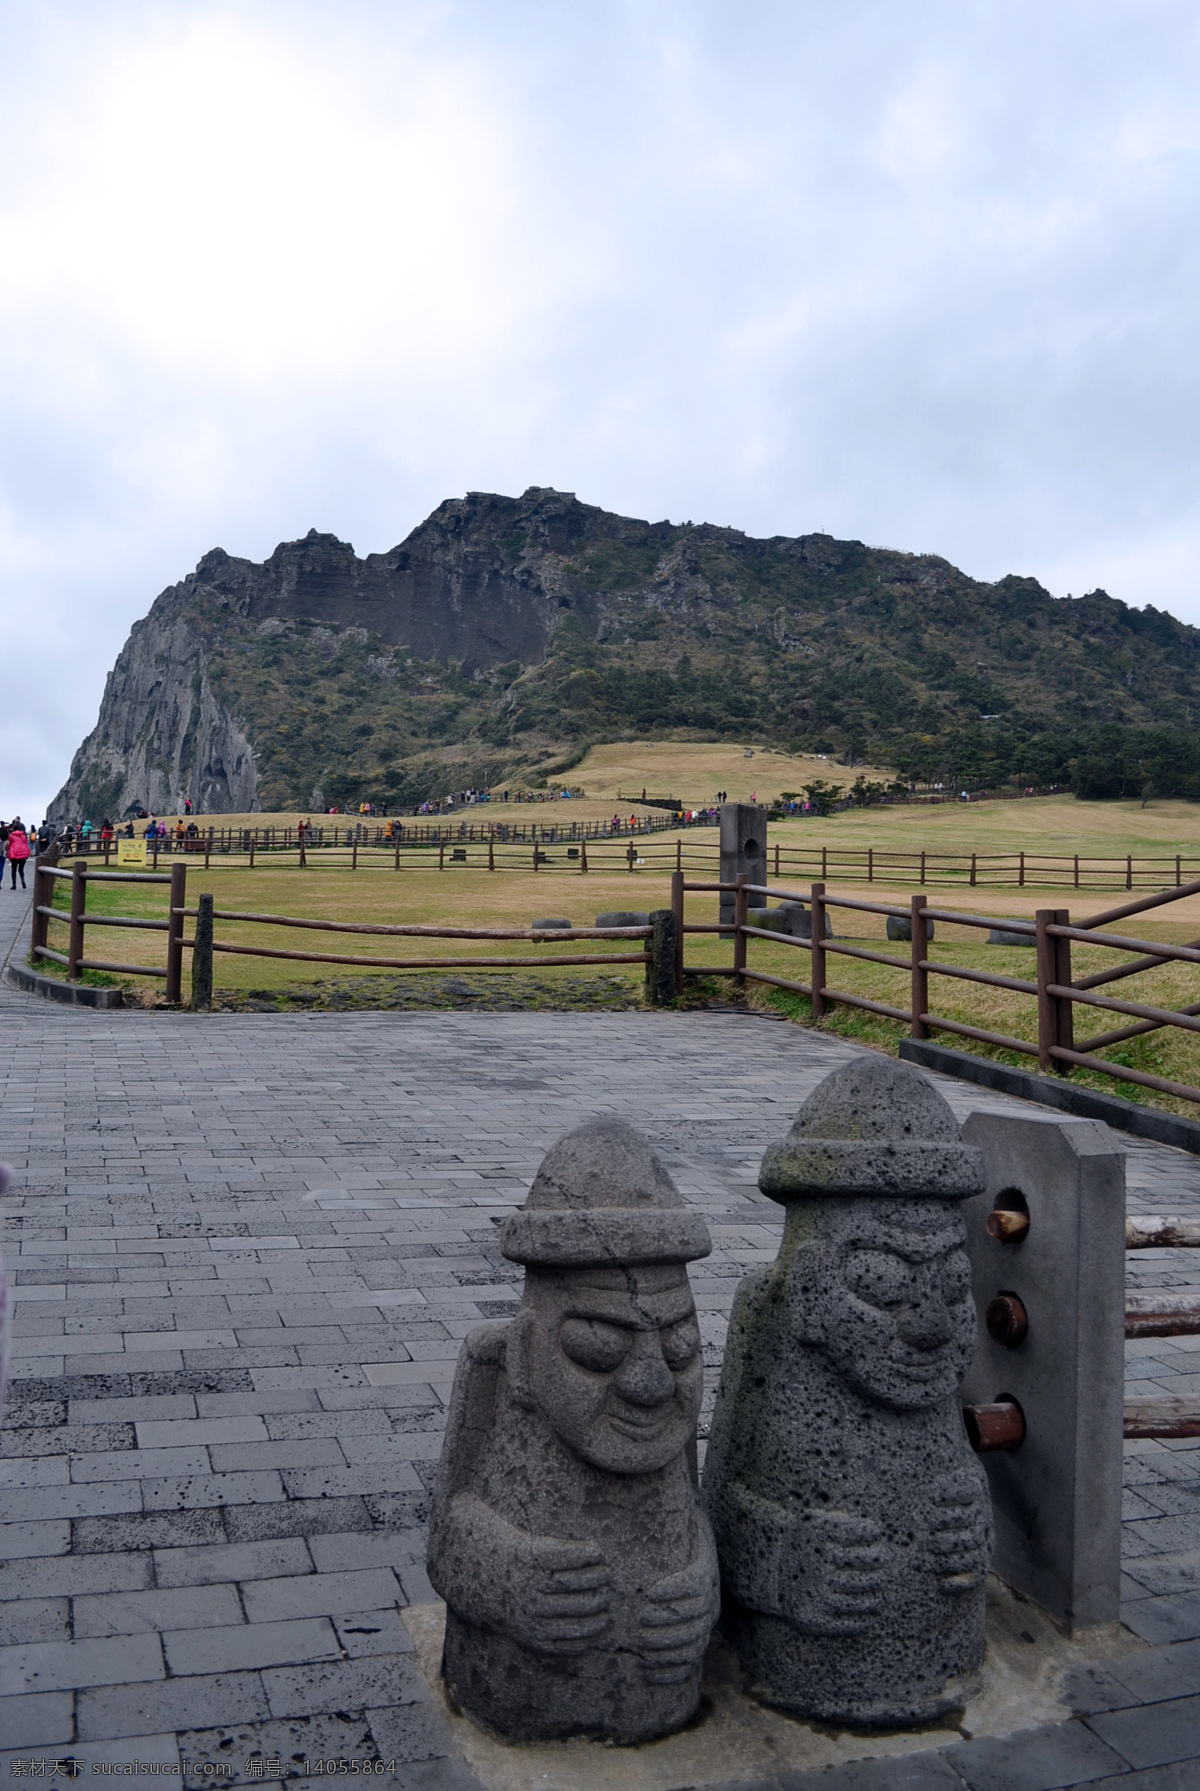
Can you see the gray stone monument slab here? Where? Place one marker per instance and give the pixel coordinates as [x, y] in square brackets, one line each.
[743, 851]
[567, 1535]
[1057, 1498]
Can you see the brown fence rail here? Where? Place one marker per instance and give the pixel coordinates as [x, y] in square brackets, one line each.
[563, 845]
[204, 943]
[1056, 991]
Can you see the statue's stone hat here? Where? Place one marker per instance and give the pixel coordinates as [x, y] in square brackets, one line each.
[603, 1197]
[874, 1127]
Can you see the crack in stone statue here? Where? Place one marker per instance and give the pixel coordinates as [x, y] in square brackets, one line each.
[568, 1538]
[852, 1519]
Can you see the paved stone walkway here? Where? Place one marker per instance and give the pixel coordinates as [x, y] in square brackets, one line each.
[245, 1251]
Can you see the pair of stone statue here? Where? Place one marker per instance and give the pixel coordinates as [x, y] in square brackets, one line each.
[844, 1525]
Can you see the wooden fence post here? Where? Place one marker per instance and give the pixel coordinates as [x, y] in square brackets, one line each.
[1077, 870]
[631, 854]
[677, 911]
[178, 899]
[679, 858]
[535, 853]
[42, 888]
[442, 855]
[824, 864]
[1021, 872]
[870, 864]
[202, 956]
[354, 856]
[491, 850]
[582, 857]
[1047, 968]
[922, 877]
[78, 906]
[972, 870]
[208, 846]
[1129, 873]
[303, 859]
[816, 939]
[1177, 877]
[741, 904]
[919, 930]
[1062, 975]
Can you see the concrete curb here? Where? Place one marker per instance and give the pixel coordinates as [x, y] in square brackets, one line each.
[1048, 1091]
[50, 988]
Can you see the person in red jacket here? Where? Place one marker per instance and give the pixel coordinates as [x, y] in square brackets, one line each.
[18, 850]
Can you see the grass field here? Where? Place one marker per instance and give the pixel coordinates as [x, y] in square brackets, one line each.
[467, 895]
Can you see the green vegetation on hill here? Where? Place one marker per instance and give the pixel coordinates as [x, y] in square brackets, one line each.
[506, 635]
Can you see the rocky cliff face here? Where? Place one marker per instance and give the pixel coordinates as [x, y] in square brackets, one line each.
[506, 632]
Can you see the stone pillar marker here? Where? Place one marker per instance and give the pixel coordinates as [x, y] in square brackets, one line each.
[743, 852]
[567, 1536]
[852, 1519]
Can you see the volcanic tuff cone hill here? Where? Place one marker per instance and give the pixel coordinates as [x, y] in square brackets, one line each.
[507, 633]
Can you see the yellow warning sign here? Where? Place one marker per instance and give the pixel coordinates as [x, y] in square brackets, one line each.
[131, 853]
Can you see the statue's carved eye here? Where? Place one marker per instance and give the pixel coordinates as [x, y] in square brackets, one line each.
[680, 1343]
[878, 1277]
[956, 1277]
[593, 1344]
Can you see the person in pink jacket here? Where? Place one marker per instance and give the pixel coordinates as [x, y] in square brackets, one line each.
[18, 850]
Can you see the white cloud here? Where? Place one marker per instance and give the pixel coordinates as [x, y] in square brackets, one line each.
[919, 275]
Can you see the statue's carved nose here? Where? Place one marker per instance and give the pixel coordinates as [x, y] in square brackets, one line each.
[645, 1378]
[926, 1321]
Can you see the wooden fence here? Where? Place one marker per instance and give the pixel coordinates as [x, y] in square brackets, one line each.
[204, 943]
[545, 846]
[1050, 932]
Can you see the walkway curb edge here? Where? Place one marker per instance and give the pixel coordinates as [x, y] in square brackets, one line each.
[1084, 1103]
[71, 994]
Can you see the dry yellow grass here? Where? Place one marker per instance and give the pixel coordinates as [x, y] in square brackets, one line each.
[466, 895]
[695, 772]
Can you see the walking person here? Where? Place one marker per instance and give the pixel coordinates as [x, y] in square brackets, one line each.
[18, 850]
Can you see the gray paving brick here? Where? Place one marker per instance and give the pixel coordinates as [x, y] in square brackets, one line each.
[166, 1433]
[73, 1574]
[343, 1685]
[127, 1613]
[236, 1561]
[191, 1490]
[341, 1553]
[1154, 1734]
[298, 1517]
[920, 1772]
[327, 1735]
[250, 1645]
[40, 1719]
[315, 1452]
[1173, 1618]
[410, 1732]
[34, 1620]
[164, 1706]
[57, 1666]
[372, 1632]
[146, 1529]
[320, 1594]
[34, 1538]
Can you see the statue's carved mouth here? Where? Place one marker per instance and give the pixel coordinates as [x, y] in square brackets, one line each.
[638, 1423]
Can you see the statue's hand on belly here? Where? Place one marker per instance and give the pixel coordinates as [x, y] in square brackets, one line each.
[831, 1578]
[679, 1613]
[959, 1542]
[562, 1603]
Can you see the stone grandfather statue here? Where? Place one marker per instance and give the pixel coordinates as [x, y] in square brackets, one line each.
[568, 1538]
[852, 1520]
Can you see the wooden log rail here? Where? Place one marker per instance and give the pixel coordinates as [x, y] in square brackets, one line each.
[1055, 990]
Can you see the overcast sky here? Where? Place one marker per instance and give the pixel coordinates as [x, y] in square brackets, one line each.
[921, 272]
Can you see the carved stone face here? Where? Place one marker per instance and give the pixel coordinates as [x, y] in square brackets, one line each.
[884, 1289]
[612, 1358]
